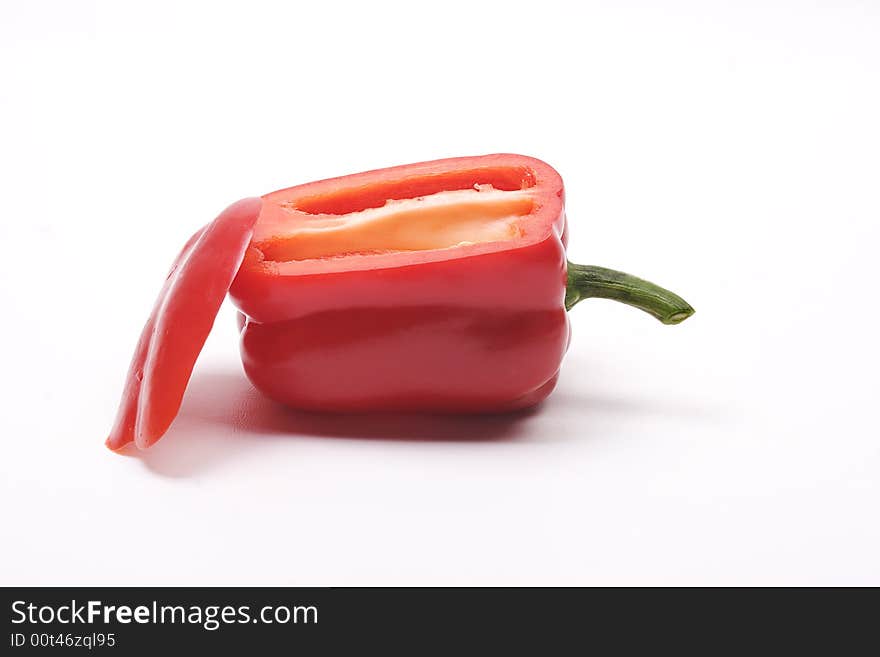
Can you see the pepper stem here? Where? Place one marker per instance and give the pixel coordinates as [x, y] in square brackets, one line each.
[586, 281]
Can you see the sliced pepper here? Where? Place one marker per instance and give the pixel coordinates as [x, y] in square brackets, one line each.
[441, 286]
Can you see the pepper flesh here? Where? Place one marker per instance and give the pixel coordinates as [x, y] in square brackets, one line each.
[409, 316]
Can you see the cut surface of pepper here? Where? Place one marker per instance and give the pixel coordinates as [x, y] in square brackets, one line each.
[440, 286]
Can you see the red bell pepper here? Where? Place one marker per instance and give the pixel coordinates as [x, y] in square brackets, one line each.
[441, 287]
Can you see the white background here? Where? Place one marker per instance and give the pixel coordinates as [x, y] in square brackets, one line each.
[730, 151]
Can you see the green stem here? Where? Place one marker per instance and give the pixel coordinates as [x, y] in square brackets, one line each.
[587, 281]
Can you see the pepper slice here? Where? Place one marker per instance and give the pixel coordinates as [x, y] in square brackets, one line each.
[179, 325]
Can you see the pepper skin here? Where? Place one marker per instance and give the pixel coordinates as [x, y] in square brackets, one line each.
[434, 287]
